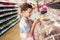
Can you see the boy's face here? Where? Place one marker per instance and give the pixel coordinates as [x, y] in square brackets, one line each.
[27, 13]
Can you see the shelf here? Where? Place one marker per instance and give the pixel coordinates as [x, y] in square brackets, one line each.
[7, 9]
[1, 8]
[8, 14]
[2, 32]
[8, 6]
[54, 5]
[7, 23]
[7, 3]
[3, 20]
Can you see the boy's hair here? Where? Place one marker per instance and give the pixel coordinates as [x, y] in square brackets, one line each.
[25, 6]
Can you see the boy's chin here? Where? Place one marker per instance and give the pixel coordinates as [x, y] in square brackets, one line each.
[28, 17]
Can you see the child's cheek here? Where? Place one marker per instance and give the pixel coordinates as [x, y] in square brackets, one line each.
[27, 15]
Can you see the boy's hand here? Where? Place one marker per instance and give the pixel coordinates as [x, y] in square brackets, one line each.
[36, 21]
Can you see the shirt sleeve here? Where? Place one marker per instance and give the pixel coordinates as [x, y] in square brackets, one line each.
[24, 28]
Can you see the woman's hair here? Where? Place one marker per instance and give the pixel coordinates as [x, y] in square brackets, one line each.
[25, 6]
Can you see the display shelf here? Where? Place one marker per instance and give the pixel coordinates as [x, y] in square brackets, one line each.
[6, 19]
[7, 3]
[8, 6]
[2, 12]
[5, 24]
[7, 9]
[3, 31]
[54, 5]
[8, 16]
[3, 5]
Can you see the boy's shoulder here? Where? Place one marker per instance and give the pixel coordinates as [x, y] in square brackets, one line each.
[22, 21]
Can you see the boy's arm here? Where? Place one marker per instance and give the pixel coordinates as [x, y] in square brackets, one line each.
[36, 32]
[33, 27]
[30, 33]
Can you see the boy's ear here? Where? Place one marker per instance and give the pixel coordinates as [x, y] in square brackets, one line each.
[30, 9]
[23, 11]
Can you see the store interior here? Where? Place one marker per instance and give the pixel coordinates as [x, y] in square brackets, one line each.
[10, 16]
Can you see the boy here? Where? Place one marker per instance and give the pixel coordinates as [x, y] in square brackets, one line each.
[26, 30]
